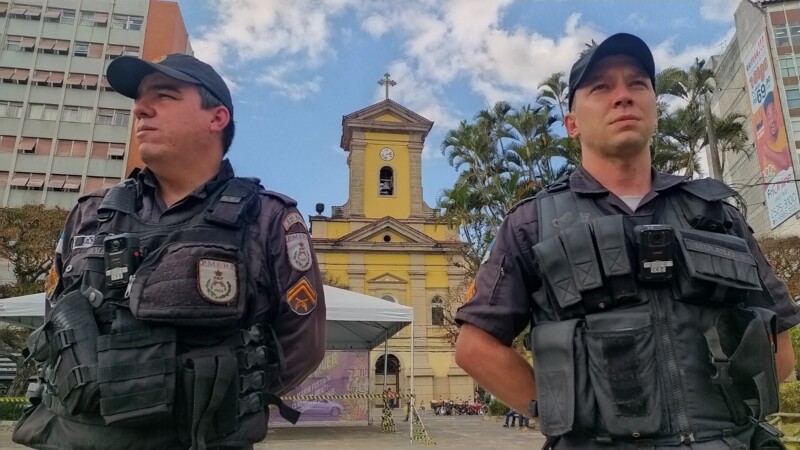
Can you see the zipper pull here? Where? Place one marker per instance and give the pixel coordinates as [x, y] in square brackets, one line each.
[130, 286]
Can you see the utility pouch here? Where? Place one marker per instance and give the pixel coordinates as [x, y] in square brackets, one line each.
[71, 367]
[715, 268]
[199, 284]
[623, 372]
[741, 351]
[136, 374]
[554, 367]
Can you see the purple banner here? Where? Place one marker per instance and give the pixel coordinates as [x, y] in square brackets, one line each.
[340, 373]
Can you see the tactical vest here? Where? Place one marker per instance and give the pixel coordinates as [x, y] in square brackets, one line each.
[624, 355]
[161, 328]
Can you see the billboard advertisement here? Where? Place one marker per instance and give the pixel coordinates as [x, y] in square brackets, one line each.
[772, 145]
[340, 373]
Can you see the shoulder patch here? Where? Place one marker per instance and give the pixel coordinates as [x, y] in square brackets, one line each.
[301, 298]
[519, 203]
[285, 199]
[708, 189]
[298, 250]
[293, 218]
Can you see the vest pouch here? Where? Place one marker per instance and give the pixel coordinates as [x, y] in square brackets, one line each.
[208, 397]
[564, 399]
[191, 284]
[71, 368]
[741, 350]
[136, 374]
[623, 372]
[714, 268]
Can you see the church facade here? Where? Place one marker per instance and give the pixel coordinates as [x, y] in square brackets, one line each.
[387, 243]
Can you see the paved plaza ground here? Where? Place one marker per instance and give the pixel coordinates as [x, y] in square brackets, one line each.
[449, 432]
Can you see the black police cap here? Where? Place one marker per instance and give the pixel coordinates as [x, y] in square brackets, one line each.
[618, 44]
[125, 74]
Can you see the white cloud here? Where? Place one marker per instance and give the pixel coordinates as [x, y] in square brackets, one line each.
[375, 25]
[276, 78]
[718, 10]
[666, 55]
[636, 20]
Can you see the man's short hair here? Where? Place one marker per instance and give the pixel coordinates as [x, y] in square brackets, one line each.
[770, 98]
[208, 101]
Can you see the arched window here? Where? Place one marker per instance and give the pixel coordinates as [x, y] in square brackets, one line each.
[437, 311]
[388, 298]
[392, 365]
[386, 181]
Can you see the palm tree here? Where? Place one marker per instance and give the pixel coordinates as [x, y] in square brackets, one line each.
[554, 93]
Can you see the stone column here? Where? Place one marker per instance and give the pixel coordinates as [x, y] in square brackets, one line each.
[357, 154]
[415, 175]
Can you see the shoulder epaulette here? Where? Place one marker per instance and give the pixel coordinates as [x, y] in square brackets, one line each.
[285, 199]
[708, 189]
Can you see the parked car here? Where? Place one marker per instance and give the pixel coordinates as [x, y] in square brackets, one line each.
[319, 408]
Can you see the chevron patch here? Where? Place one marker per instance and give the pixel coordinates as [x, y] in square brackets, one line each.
[302, 298]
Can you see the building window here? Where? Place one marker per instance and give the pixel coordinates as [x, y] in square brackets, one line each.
[13, 76]
[70, 148]
[12, 110]
[3, 11]
[82, 81]
[788, 68]
[123, 22]
[64, 183]
[53, 46]
[20, 43]
[388, 298]
[781, 36]
[7, 144]
[25, 12]
[793, 98]
[116, 117]
[77, 114]
[81, 49]
[38, 111]
[3, 177]
[386, 181]
[115, 51]
[32, 145]
[437, 310]
[58, 15]
[27, 181]
[94, 19]
[97, 183]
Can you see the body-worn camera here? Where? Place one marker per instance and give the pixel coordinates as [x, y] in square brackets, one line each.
[122, 258]
[654, 249]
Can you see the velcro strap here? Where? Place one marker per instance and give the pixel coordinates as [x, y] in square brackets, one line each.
[135, 339]
[555, 270]
[251, 403]
[718, 357]
[253, 358]
[609, 233]
[131, 402]
[136, 370]
[65, 338]
[577, 241]
[252, 382]
[74, 379]
[291, 415]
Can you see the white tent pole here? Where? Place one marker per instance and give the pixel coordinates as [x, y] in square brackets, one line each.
[412, 399]
[385, 360]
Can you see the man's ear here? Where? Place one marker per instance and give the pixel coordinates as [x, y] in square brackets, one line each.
[571, 124]
[220, 119]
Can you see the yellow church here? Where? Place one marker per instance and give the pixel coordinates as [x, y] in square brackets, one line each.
[387, 243]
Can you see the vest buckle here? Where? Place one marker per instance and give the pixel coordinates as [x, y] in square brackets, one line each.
[723, 372]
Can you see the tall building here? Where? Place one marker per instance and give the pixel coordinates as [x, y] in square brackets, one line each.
[63, 130]
[757, 77]
[386, 242]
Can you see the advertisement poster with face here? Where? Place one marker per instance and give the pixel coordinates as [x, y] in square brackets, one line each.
[340, 373]
[772, 145]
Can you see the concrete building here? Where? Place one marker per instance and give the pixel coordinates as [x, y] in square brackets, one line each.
[63, 131]
[761, 63]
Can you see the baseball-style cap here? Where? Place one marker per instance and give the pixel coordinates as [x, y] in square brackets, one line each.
[126, 73]
[618, 44]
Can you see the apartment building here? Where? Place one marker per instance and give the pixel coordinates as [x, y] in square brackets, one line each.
[63, 130]
[759, 64]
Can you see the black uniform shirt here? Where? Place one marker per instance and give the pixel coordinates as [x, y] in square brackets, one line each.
[501, 303]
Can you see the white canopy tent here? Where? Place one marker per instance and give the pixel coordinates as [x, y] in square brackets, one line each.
[355, 321]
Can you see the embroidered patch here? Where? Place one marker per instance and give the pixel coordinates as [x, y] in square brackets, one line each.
[291, 219]
[82, 241]
[51, 282]
[217, 281]
[299, 251]
[302, 298]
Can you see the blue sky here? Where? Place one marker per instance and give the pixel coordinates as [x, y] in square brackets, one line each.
[296, 67]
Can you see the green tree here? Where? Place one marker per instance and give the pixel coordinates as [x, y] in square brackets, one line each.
[28, 238]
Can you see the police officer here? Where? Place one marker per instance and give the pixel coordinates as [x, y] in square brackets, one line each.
[655, 320]
[185, 300]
